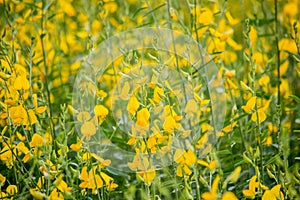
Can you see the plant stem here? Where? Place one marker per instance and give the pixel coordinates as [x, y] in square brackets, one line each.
[46, 73]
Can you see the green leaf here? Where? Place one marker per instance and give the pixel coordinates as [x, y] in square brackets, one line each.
[154, 9]
[297, 99]
[224, 152]
[296, 57]
[138, 10]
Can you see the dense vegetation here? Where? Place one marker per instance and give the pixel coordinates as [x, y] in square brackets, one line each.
[212, 116]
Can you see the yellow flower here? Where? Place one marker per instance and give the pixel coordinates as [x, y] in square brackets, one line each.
[260, 60]
[143, 116]
[205, 16]
[56, 195]
[77, 146]
[32, 118]
[95, 181]
[83, 116]
[253, 36]
[12, 189]
[234, 44]
[148, 175]
[91, 180]
[2, 179]
[68, 8]
[88, 129]
[40, 109]
[102, 162]
[211, 166]
[249, 105]
[61, 184]
[72, 110]
[37, 194]
[191, 107]
[202, 141]
[273, 194]
[185, 159]
[170, 124]
[108, 181]
[290, 9]
[250, 193]
[133, 105]
[18, 115]
[261, 115]
[112, 186]
[36, 140]
[229, 84]
[21, 83]
[139, 162]
[100, 111]
[268, 195]
[264, 80]
[282, 69]
[229, 196]
[231, 20]
[230, 73]
[232, 124]
[212, 195]
[151, 143]
[6, 154]
[287, 44]
[21, 147]
[20, 136]
[101, 93]
[158, 92]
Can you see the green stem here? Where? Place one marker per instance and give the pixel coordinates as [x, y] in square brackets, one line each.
[46, 73]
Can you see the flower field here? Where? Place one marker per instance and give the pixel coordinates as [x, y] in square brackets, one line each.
[150, 99]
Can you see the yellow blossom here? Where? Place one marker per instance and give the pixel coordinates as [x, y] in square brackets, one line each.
[21, 83]
[100, 111]
[56, 195]
[170, 124]
[83, 116]
[91, 180]
[273, 194]
[249, 105]
[191, 107]
[212, 195]
[88, 129]
[18, 115]
[148, 175]
[229, 196]
[264, 80]
[77, 146]
[12, 189]
[143, 116]
[290, 9]
[36, 140]
[158, 92]
[260, 114]
[185, 159]
[37, 194]
[21, 147]
[250, 193]
[61, 184]
[2, 180]
[133, 105]
[211, 166]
